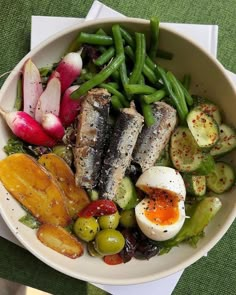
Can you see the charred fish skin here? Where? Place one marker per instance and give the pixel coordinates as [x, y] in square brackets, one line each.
[119, 154]
[152, 140]
[91, 137]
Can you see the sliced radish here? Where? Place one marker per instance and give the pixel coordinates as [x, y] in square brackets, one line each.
[49, 101]
[68, 69]
[69, 107]
[27, 129]
[32, 87]
[53, 126]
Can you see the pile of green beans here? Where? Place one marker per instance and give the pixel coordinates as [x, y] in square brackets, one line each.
[127, 67]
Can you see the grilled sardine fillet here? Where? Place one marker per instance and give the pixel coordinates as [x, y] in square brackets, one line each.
[119, 154]
[152, 140]
[91, 137]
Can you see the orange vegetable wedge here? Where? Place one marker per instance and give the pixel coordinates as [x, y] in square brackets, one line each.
[76, 198]
[30, 184]
[60, 240]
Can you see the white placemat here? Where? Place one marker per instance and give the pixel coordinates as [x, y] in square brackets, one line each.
[42, 28]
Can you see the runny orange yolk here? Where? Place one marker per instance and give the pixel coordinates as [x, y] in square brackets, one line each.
[162, 206]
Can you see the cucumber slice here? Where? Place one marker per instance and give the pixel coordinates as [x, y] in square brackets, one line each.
[203, 128]
[226, 143]
[208, 107]
[221, 179]
[126, 197]
[186, 155]
[195, 185]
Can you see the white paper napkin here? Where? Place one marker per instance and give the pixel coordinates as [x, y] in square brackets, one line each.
[42, 28]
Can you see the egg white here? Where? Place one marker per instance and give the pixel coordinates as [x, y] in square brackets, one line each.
[167, 179]
[163, 178]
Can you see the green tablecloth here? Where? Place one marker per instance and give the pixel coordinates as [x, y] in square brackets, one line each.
[215, 274]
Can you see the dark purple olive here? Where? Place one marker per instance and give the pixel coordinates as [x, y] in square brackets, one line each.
[91, 52]
[146, 249]
[130, 245]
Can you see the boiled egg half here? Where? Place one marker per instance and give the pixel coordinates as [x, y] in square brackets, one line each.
[161, 214]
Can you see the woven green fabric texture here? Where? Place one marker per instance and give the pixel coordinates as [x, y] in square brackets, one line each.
[211, 275]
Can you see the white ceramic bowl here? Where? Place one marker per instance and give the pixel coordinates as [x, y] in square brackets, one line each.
[209, 79]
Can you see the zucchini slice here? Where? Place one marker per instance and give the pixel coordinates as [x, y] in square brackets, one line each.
[208, 107]
[203, 128]
[186, 155]
[226, 143]
[221, 179]
[195, 184]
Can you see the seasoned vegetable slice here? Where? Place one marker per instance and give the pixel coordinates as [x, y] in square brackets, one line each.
[203, 128]
[208, 107]
[221, 179]
[60, 240]
[195, 184]
[32, 186]
[76, 198]
[226, 143]
[186, 155]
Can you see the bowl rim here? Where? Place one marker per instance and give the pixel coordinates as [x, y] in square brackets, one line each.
[148, 278]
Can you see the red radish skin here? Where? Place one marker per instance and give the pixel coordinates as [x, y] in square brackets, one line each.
[68, 70]
[32, 87]
[69, 107]
[49, 101]
[53, 126]
[27, 129]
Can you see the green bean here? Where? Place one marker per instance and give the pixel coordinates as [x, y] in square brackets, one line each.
[116, 76]
[129, 51]
[95, 39]
[19, 95]
[164, 54]
[140, 54]
[87, 76]
[146, 70]
[150, 63]
[75, 44]
[102, 49]
[156, 96]
[99, 78]
[139, 89]
[115, 92]
[178, 91]
[117, 39]
[154, 29]
[186, 81]
[105, 57]
[142, 80]
[187, 95]
[176, 87]
[120, 50]
[127, 37]
[147, 112]
[182, 113]
[115, 102]
[101, 32]
[114, 85]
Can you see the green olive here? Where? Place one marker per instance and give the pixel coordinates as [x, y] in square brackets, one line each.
[109, 241]
[127, 218]
[86, 228]
[109, 221]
